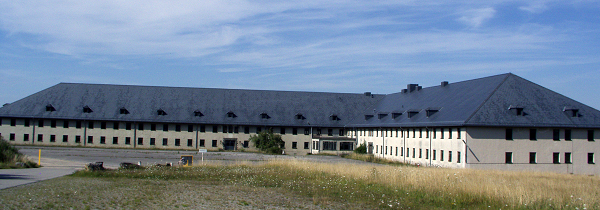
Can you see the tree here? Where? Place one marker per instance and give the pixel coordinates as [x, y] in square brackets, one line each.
[362, 149]
[268, 142]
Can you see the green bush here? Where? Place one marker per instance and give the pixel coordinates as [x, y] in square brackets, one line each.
[268, 142]
[10, 157]
[362, 149]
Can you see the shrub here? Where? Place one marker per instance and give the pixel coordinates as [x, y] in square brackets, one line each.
[362, 149]
[268, 142]
[10, 157]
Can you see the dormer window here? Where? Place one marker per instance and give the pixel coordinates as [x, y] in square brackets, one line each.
[368, 116]
[381, 115]
[87, 109]
[161, 112]
[412, 113]
[123, 111]
[300, 117]
[334, 117]
[572, 112]
[231, 115]
[396, 115]
[264, 116]
[431, 111]
[197, 113]
[516, 110]
[50, 108]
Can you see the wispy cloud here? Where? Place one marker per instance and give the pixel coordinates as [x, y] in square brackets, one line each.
[476, 17]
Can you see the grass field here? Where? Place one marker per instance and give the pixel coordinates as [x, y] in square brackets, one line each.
[301, 184]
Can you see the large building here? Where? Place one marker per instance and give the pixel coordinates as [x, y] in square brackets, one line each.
[500, 122]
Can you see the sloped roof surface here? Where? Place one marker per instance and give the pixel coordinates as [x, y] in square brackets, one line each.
[480, 102]
[143, 103]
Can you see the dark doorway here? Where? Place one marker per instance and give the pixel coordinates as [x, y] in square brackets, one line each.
[229, 144]
[370, 148]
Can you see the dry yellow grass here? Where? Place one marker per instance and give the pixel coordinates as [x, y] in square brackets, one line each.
[510, 188]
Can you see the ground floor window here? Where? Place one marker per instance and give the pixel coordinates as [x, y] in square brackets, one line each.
[591, 158]
[214, 143]
[177, 142]
[556, 157]
[77, 139]
[245, 145]
[189, 144]
[508, 157]
[329, 145]
[346, 146]
[152, 141]
[127, 140]
[165, 141]
[201, 143]
[115, 140]
[305, 145]
[294, 145]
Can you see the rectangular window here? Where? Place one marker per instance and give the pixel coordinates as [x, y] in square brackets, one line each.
[282, 131]
[376, 149]
[12, 137]
[40, 137]
[532, 157]
[140, 141]
[26, 137]
[449, 133]
[458, 134]
[396, 151]
[77, 139]
[402, 151]
[330, 132]
[556, 157]
[434, 133]
[189, 144]
[568, 159]
[41, 123]
[349, 146]
[53, 123]
[556, 134]
[90, 140]
[294, 145]
[258, 130]
[590, 135]
[165, 127]
[13, 122]
[66, 124]
[65, 138]
[426, 153]
[458, 157]
[128, 126]
[441, 155]
[306, 145]
[26, 123]
[420, 133]
[441, 133]
[152, 127]
[533, 134]
[128, 140]
[102, 140]
[306, 131]
[246, 129]
[214, 143]
[508, 157]
[420, 153]
[426, 133]
[591, 158]
[567, 134]
[434, 155]
[115, 140]
[165, 142]
[236, 129]
[116, 125]
[103, 125]
[202, 128]
[177, 128]
[341, 132]
[190, 128]
[329, 145]
[152, 141]
[78, 124]
[509, 134]
[407, 152]
[141, 126]
[177, 142]
[202, 143]
[245, 145]
[414, 133]
[90, 125]
[449, 156]
[294, 131]
[413, 152]
[215, 128]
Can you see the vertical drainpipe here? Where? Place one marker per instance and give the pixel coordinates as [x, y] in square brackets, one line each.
[85, 125]
[33, 134]
[134, 134]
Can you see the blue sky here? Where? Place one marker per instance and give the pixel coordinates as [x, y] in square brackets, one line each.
[323, 46]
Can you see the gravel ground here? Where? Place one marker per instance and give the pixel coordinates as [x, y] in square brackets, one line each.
[75, 156]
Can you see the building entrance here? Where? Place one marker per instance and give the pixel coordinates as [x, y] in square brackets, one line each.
[229, 144]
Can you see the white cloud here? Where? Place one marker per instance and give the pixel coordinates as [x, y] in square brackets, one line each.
[537, 6]
[476, 17]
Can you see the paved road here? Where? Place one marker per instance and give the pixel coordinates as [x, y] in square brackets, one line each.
[61, 161]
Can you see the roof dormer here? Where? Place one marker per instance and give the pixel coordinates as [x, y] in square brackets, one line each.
[161, 112]
[87, 109]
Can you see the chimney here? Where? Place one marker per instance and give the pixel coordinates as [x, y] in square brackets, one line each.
[367, 93]
[444, 83]
[412, 87]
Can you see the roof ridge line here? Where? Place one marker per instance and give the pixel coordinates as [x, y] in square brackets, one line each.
[487, 99]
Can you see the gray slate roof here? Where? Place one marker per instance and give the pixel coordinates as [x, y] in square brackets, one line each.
[501, 100]
[480, 102]
[143, 102]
